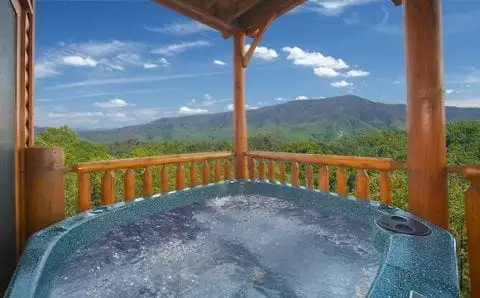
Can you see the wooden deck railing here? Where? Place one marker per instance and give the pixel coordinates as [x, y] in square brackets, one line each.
[472, 219]
[128, 166]
[258, 160]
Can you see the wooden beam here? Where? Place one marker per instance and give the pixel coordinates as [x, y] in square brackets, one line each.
[255, 18]
[426, 149]
[256, 40]
[197, 14]
[243, 7]
[397, 2]
[239, 111]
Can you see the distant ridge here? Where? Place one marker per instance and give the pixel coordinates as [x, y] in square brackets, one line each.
[320, 118]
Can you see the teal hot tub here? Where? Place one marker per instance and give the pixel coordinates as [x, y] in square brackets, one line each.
[239, 239]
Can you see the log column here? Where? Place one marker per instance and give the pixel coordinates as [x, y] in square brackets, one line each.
[44, 187]
[239, 111]
[426, 149]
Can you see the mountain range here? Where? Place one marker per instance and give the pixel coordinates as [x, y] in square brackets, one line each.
[321, 119]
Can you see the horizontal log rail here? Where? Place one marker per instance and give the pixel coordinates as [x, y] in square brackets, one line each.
[472, 219]
[257, 161]
[129, 171]
[142, 162]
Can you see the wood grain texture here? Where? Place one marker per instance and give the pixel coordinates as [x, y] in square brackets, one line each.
[205, 173]
[472, 217]
[271, 170]
[323, 179]
[143, 162]
[362, 185]
[180, 177]
[108, 191]
[294, 174]
[239, 106]
[193, 174]
[309, 175]
[261, 169]
[381, 164]
[147, 183]
[216, 171]
[83, 203]
[426, 145]
[341, 181]
[129, 185]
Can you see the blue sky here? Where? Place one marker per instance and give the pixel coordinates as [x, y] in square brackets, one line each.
[102, 64]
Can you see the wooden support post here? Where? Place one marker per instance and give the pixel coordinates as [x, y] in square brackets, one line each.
[426, 149]
[239, 111]
[44, 188]
[472, 217]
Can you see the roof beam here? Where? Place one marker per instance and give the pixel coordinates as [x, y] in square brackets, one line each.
[254, 19]
[248, 56]
[397, 2]
[197, 14]
[243, 7]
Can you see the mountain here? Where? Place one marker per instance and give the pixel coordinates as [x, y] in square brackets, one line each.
[322, 119]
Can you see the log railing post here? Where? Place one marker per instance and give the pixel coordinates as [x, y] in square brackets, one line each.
[147, 183]
[426, 149]
[323, 179]
[239, 110]
[472, 217]
[362, 185]
[44, 188]
[129, 185]
[309, 175]
[84, 195]
[180, 177]
[341, 182]
[164, 179]
[193, 174]
[108, 192]
[294, 174]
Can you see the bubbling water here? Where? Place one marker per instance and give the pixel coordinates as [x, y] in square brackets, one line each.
[235, 246]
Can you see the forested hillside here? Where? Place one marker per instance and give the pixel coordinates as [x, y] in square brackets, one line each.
[463, 142]
[320, 119]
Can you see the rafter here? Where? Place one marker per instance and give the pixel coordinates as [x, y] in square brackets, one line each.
[197, 14]
[243, 7]
[254, 19]
[397, 2]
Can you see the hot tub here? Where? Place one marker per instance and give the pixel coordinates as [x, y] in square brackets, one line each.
[240, 239]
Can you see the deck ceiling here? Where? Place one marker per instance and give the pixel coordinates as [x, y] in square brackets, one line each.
[229, 15]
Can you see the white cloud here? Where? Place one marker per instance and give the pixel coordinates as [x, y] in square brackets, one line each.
[106, 55]
[164, 62]
[301, 97]
[146, 114]
[248, 107]
[76, 115]
[323, 66]
[313, 59]
[208, 100]
[45, 70]
[449, 91]
[191, 111]
[464, 103]
[325, 72]
[341, 84]
[396, 82]
[180, 28]
[149, 65]
[334, 7]
[127, 80]
[356, 73]
[114, 103]
[79, 61]
[263, 53]
[172, 49]
[219, 62]
[280, 99]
